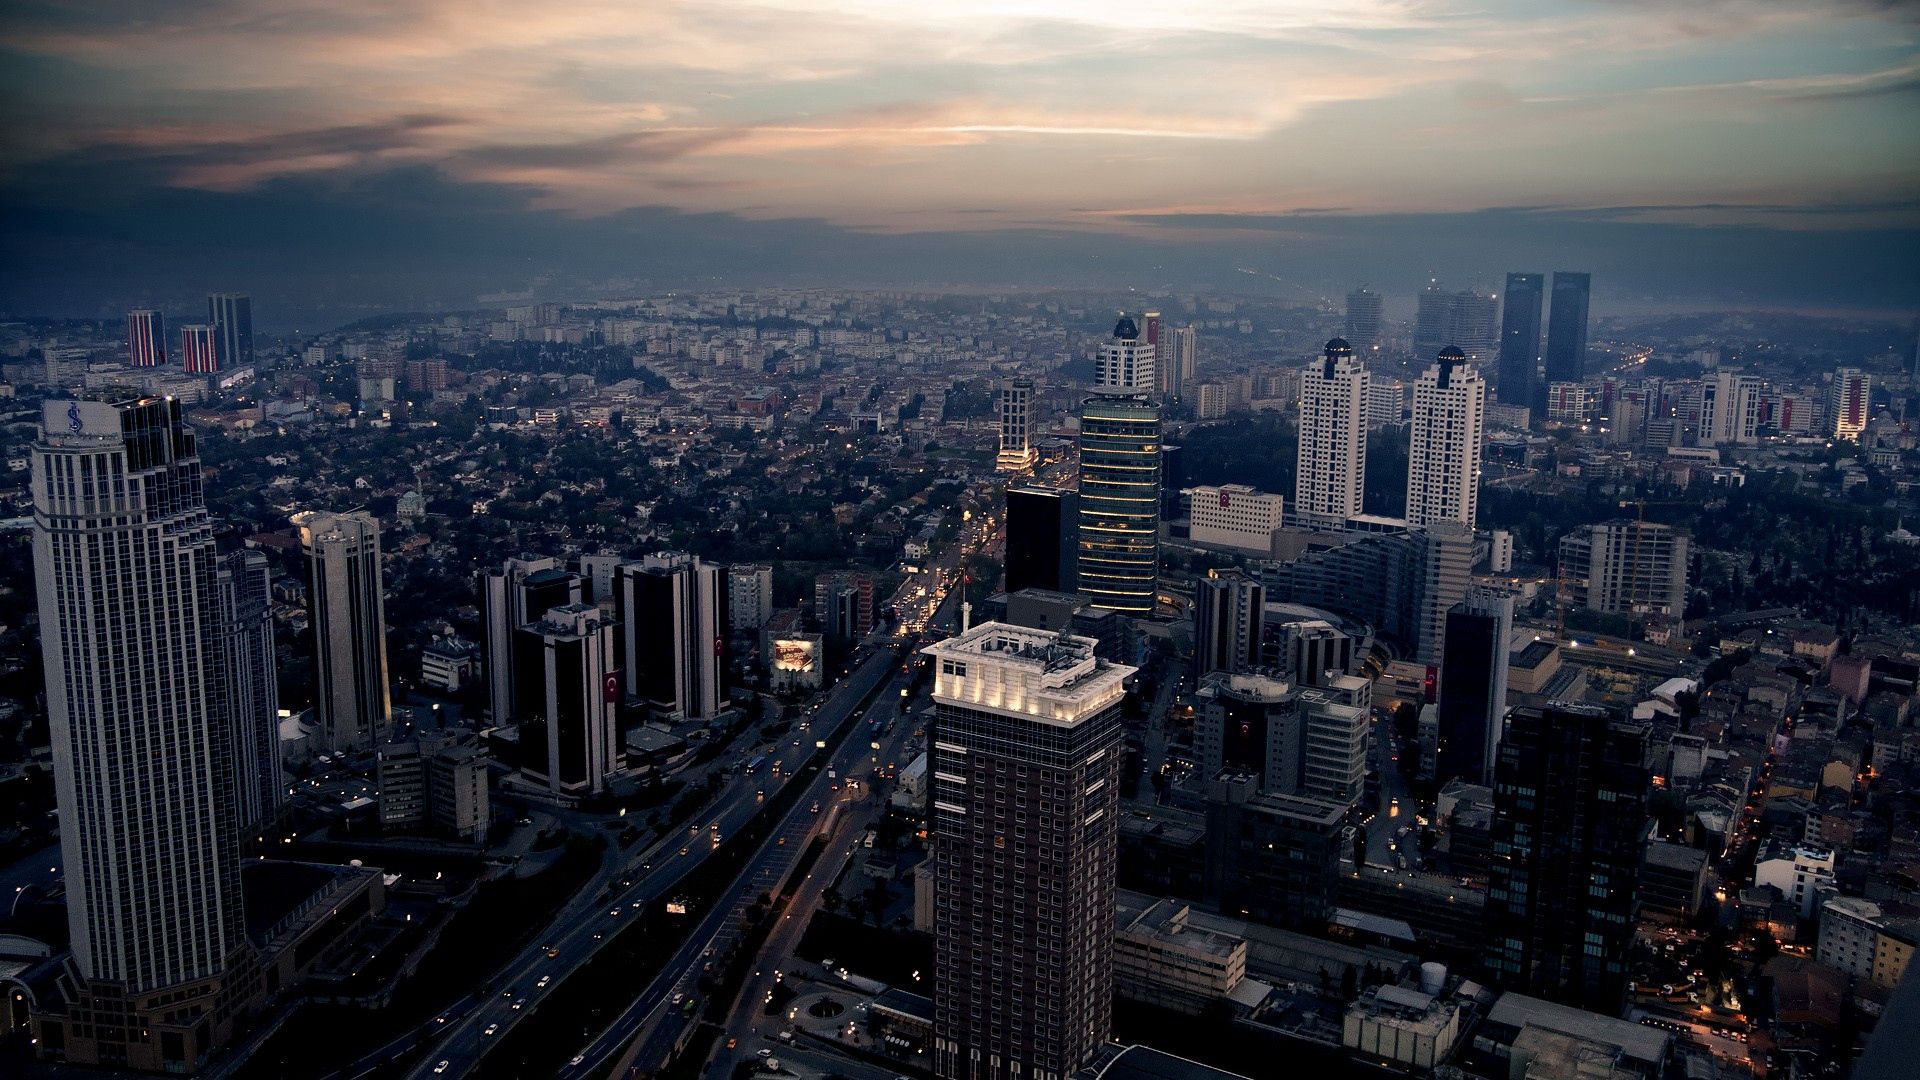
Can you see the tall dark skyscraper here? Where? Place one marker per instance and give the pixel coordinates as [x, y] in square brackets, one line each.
[1520, 339]
[146, 339]
[567, 688]
[1567, 327]
[250, 687]
[1473, 686]
[1040, 540]
[1570, 814]
[1363, 320]
[672, 608]
[1228, 609]
[144, 755]
[231, 316]
[346, 601]
[523, 590]
[1027, 742]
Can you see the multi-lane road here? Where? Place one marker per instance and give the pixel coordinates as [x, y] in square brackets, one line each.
[593, 918]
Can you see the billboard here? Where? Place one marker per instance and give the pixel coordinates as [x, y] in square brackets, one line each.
[796, 654]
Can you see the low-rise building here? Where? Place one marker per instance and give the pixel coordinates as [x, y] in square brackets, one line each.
[1402, 1025]
[1158, 959]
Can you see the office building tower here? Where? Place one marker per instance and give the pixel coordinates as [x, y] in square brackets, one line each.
[1730, 409]
[250, 689]
[231, 316]
[1017, 454]
[749, 597]
[1566, 356]
[144, 762]
[1026, 756]
[523, 589]
[1386, 404]
[672, 610]
[1500, 552]
[1570, 789]
[1473, 325]
[1174, 360]
[1473, 686]
[1303, 649]
[1270, 856]
[843, 605]
[1363, 320]
[568, 689]
[1443, 458]
[1568, 402]
[1228, 609]
[146, 339]
[1849, 403]
[1235, 516]
[1293, 740]
[1117, 558]
[1432, 320]
[1627, 567]
[199, 350]
[347, 608]
[436, 781]
[1125, 363]
[1399, 581]
[1330, 476]
[1520, 339]
[1040, 538]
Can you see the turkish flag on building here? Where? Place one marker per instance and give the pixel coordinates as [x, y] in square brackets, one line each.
[611, 687]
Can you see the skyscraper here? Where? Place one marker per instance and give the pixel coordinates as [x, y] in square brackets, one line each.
[1566, 359]
[250, 688]
[1040, 538]
[1730, 409]
[569, 690]
[1473, 686]
[144, 758]
[1125, 361]
[231, 316]
[1117, 564]
[1363, 320]
[1303, 741]
[199, 349]
[1027, 745]
[523, 589]
[146, 339]
[1174, 360]
[1849, 403]
[347, 607]
[672, 609]
[1331, 471]
[1570, 790]
[1432, 320]
[1017, 454]
[1473, 325]
[1228, 609]
[1443, 458]
[1520, 338]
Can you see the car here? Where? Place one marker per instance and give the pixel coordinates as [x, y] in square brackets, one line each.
[542, 984]
[575, 1061]
[507, 993]
[492, 1029]
[614, 913]
[765, 1053]
[683, 851]
[733, 1043]
[442, 1067]
[597, 935]
[519, 1004]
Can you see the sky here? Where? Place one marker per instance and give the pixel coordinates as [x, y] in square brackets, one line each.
[341, 156]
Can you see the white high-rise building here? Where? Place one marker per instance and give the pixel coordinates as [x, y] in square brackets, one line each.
[1125, 361]
[1331, 472]
[1017, 454]
[1443, 459]
[1849, 403]
[143, 744]
[1730, 409]
[524, 588]
[347, 606]
[749, 596]
[1386, 404]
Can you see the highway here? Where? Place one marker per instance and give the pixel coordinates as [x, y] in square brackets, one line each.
[580, 929]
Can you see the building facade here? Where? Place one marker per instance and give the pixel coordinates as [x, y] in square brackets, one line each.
[523, 589]
[1520, 338]
[1228, 612]
[1566, 355]
[1330, 476]
[146, 339]
[231, 317]
[1443, 458]
[1117, 559]
[347, 606]
[569, 689]
[1017, 454]
[1472, 703]
[1235, 516]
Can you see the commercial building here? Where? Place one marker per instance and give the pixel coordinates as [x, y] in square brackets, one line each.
[1329, 480]
[1402, 1025]
[145, 761]
[1290, 740]
[1400, 581]
[1386, 404]
[1731, 405]
[347, 606]
[1175, 361]
[1527, 1037]
[231, 317]
[436, 782]
[1363, 320]
[843, 605]
[672, 609]
[1570, 789]
[1432, 319]
[1473, 326]
[1235, 516]
[199, 349]
[1161, 960]
[1125, 362]
[1627, 567]
[1520, 339]
[521, 591]
[1673, 880]
[1117, 563]
[1041, 538]
[1272, 857]
[1017, 454]
[568, 692]
[1865, 940]
[1849, 403]
[1229, 609]
[1472, 688]
[1566, 355]
[749, 597]
[250, 689]
[1026, 762]
[146, 339]
[1443, 458]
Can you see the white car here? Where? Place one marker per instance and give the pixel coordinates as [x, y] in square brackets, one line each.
[442, 1067]
[492, 1029]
